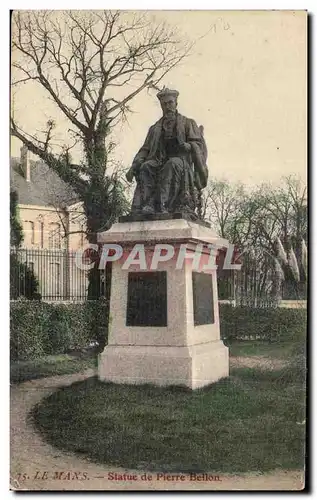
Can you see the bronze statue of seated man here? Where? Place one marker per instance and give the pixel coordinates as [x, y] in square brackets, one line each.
[170, 168]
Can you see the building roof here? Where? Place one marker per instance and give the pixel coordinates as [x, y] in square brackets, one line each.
[45, 187]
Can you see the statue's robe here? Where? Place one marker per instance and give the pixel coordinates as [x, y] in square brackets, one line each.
[171, 177]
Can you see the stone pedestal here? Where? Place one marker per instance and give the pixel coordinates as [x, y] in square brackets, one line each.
[164, 322]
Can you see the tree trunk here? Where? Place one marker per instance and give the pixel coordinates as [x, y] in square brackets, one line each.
[94, 204]
[95, 223]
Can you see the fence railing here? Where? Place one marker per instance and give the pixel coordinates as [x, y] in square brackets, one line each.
[60, 279]
[58, 276]
[248, 288]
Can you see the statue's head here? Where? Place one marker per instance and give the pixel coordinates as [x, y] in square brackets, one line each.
[168, 100]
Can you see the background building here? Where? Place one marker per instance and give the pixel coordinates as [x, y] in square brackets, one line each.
[53, 225]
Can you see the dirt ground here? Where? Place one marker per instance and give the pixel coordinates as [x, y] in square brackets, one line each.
[257, 362]
[36, 465]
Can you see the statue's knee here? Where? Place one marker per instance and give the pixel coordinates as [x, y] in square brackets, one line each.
[146, 168]
[167, 165]
[173, 164]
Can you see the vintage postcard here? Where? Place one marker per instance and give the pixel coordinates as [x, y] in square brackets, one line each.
[158, 250]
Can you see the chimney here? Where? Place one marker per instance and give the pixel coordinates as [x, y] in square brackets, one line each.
[25, 163]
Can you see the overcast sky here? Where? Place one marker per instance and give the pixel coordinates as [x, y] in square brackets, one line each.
[245, 82]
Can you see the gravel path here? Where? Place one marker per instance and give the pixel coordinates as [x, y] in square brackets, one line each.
[36, 465]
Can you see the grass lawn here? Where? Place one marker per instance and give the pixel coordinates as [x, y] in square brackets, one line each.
[251, 421]
[48, 366]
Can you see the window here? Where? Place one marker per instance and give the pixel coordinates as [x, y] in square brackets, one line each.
[41, 230]
[42, 234]
[29, 231]
[54, 238]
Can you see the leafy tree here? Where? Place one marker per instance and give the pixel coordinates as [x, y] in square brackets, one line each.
[16, 234]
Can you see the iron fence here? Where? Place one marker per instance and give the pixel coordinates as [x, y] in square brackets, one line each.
[58, 276]
[294, 290]
[60, 279]
[258, 284]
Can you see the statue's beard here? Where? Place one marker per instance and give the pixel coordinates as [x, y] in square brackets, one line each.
[170, 113]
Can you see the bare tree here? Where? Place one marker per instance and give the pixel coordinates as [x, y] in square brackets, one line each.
[286, 214]
[80, 59]
[92, 64]
[263, 222]
[231, 210]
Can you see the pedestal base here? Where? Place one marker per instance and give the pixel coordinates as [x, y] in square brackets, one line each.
[164, 314]
[191, 366]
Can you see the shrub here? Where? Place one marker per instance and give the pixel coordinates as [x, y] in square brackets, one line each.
[28, 324]
[270, 324]
[61, 328]
[97, 312]
[22, 280]
[40, 328]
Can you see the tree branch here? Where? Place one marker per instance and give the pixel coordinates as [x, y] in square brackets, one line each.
[66, 174]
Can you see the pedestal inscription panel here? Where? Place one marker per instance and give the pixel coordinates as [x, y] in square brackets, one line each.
[203, 299]
[147, 299]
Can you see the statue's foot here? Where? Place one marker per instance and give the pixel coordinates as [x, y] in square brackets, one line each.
[147, 209]
[164, 209]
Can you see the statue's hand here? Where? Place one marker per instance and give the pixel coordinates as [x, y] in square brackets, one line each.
[187, 147]
[130, 174]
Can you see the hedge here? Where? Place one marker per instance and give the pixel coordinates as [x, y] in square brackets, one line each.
[41, 328]
[270, 324]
